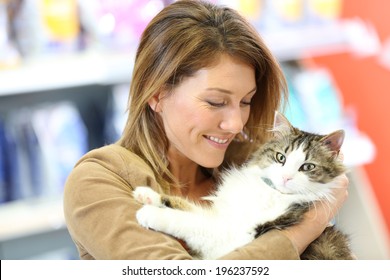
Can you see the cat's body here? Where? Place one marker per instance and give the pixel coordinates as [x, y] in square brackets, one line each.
[272, 190]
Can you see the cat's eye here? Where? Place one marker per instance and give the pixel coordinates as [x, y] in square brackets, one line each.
[307, 167]
[280, 158]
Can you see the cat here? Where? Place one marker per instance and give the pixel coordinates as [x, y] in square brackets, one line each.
[272, 190]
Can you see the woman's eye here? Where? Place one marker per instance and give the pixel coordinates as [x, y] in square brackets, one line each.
[216, 104]
[246, 103]
[307, 167]
[280, 158]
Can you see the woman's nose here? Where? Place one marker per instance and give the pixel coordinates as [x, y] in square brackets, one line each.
[233, 121]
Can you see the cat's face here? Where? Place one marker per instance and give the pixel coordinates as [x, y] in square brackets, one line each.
[300, 162]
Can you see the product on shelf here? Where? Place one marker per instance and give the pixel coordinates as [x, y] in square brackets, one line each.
[116, 25]
[46, 26]
[9, 56]
[39, 146]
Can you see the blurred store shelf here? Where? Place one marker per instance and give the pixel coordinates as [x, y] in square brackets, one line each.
[94, 67]
[35, 229]
[30, 216]
[66, 71]
[353, 35]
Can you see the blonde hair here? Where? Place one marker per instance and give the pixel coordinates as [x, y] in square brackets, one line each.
[183, 38]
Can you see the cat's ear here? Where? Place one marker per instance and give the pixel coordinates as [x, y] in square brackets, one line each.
[334, 140]
[281, 125]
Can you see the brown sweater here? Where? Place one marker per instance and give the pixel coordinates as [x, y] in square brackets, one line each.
[100, 214]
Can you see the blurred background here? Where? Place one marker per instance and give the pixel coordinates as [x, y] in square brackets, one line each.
[65, 69]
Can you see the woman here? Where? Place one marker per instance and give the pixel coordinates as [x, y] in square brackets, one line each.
[203, 93]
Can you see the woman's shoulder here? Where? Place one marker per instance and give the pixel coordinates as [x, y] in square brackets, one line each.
[112, 155]
[116, 159]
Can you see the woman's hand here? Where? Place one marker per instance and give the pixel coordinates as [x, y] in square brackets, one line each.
[318, 218]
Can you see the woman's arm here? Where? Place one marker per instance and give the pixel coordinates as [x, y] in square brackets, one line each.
[272, 245]
[318, 218]
[100, 210]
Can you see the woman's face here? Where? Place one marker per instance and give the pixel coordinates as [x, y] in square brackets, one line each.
[202, 115]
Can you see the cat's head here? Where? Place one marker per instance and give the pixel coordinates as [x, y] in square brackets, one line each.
[295, 161]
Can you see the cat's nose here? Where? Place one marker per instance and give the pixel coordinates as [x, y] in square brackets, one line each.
[286, 178]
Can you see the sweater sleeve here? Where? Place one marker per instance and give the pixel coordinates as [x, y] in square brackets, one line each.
[100, 210]
[100, 214]
[273, 245]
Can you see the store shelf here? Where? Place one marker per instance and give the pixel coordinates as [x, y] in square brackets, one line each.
[66, 71]
[352, 35]
[93, 67]
[35, 229]
[30, 216]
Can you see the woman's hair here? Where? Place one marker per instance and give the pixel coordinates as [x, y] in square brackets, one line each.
[183, 38]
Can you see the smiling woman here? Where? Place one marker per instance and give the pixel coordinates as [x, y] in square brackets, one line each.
[202, 115]
[203, 95]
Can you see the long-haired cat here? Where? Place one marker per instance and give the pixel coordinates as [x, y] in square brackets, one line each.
[273, 189]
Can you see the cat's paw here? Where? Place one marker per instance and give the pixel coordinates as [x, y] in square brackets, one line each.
[146, 195]
[147, 216]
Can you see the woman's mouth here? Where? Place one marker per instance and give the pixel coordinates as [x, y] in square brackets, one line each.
[217, 140]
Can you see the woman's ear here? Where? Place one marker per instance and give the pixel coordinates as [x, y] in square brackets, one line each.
[154, 102]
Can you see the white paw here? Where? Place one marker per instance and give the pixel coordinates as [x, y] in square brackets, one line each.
[147, 216]
[146, 195]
